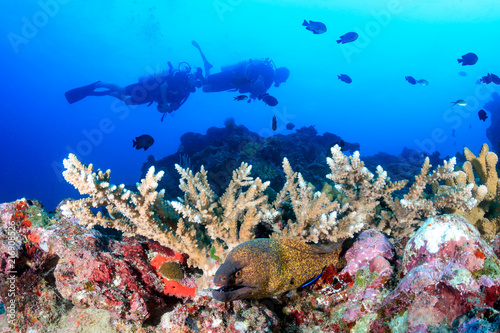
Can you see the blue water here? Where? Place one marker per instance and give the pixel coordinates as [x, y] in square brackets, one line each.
[49, 47]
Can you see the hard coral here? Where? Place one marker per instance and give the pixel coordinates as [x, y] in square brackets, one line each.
[486, 215]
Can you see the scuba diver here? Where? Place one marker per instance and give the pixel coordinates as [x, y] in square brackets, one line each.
[169, 89]
[251, 76]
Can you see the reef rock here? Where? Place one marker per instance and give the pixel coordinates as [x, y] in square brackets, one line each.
[54, 264]
[447, 271]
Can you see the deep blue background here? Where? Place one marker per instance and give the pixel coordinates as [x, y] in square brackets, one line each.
[48, 47]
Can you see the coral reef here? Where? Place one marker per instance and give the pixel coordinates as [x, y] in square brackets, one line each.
[69, 269]
[61, 265]
[210, 226]
[448, 280]
[486, 215]
[221, 150]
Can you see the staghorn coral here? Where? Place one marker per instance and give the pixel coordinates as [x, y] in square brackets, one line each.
[130, 212]
[319, 218]
[404, 214]
[210, 226]
[228, 220]
[486, 215]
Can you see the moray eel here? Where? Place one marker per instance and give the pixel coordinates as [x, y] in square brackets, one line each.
[265, 267]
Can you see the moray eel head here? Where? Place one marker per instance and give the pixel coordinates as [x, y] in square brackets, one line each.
[238, 277]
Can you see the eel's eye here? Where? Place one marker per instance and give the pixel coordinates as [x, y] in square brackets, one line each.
[237, 274]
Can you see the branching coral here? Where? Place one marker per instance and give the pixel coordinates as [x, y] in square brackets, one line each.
[130, 212]
[320, 219]
[406, 213]
[229, 219]
[486, 215]
[211, 226]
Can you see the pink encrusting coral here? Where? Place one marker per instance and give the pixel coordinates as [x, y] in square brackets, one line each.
[448, 270]
[89, 270]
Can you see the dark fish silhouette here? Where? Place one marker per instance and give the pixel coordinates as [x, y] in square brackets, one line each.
[468, 59]
[347, 38]
[240, 98]
[274, 125]
[144, 141]
[490, 78]
[453, 132]
[290, 126]
[316, 27]
[411, 79]
[268, 99]
[345, 78]
[482, 115]
[486, 79]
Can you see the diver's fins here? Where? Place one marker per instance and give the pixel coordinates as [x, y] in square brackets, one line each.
[74, 95]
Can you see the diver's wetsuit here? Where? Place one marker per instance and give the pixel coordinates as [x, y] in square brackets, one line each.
[252, 76]
[148, 89]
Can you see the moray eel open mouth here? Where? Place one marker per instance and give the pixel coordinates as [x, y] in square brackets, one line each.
[230, 293]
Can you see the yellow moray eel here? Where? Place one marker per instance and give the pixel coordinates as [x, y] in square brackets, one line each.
[265, 267]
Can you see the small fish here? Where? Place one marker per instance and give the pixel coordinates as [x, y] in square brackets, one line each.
[410, 79]
[274, 124]
[482, 115]
[144, 141]
[423, 82]
[468, 59]
[241, 98]
[453, 132]
[486, 79]
[495, 79]
[316, 27]
[459, 102]
[268, 99]
[490, 78]
[290, 126]
[347, 38]
[462, 73]
[345, 78]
